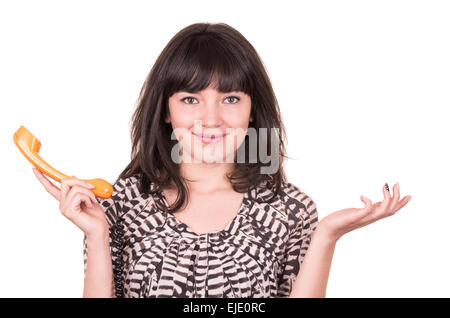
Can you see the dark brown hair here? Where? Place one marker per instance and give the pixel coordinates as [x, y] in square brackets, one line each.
[195, 57]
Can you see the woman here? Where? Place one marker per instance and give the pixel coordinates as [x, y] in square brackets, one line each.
[184, 220]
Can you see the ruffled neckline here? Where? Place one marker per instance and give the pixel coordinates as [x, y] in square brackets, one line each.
[230, 228]
[240, 223]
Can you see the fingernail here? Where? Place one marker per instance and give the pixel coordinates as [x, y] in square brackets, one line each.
[386, 187]
[90, 185]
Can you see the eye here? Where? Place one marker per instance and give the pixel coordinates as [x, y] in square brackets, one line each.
[233, 97]
[188, 98]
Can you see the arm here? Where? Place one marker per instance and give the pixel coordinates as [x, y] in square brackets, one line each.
[312, 278]
[99, 251]
[98, 279]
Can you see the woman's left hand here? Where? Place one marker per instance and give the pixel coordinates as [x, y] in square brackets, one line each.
[343, 221]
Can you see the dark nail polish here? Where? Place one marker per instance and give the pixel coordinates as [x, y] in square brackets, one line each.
[386, 186]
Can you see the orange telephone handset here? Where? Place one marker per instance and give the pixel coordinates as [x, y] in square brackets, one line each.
[30, 145]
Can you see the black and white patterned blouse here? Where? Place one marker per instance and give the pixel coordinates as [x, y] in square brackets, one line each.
[256, 255]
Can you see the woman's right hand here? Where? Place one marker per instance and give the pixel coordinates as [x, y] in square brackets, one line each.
[78, 203]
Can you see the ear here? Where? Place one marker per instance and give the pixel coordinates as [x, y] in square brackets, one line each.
[167, 119]
[251, 118]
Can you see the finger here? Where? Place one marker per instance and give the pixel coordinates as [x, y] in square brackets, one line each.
[386, 201]
[80, 198]
[88, 186]
[65, 187]
[74, 205]
[50, 187]
[368, 208]
[87, 201]
[94, 201]
[67, 183]
[402, 203]
[81, 182]
[386, 192]
[79, 189]
[367, 202]
[394, 201]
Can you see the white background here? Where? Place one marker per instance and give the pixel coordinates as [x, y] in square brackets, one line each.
[363, 88]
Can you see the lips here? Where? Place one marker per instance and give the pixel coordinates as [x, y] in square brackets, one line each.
[208, 138]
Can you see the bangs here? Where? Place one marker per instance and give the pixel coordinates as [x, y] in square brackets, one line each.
[204, 60]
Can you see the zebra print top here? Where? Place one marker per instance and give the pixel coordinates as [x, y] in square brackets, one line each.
[258, 254]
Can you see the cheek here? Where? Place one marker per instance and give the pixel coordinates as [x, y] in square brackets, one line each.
[182, 119]
[242, 117]
[238, 118]
[179, 115]
[235, 138]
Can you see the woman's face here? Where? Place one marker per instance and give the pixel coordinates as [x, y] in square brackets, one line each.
[209, 125]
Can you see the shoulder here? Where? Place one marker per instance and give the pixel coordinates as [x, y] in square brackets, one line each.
[292, 214]
[121, 185]
[295, 197]
[290, 205]
[125, 194]
[129, 192]
[298, 206]
[123, 189]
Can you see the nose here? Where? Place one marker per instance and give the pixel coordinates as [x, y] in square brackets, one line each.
[211, 115]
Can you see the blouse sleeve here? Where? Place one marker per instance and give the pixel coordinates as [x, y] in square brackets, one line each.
[303, 220]
[112, 207]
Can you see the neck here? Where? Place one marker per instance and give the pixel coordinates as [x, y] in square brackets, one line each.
[207, 178]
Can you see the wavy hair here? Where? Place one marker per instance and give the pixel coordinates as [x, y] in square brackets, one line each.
[192, 59]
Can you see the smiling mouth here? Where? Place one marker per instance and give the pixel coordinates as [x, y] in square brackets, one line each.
[208, 139]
